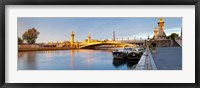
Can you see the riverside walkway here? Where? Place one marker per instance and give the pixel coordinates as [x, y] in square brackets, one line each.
[146, 62]
[165, 58]
[168, 58]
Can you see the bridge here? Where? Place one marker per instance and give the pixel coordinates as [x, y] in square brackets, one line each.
[95, 44]
[136, 42]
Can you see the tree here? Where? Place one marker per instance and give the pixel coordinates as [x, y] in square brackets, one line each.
[30, 36]
[20, 41]
[173, 36]
[152, 38]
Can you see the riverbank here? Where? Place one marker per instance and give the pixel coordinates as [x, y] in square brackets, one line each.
[44, 49]
[146, 62]
[59, 48]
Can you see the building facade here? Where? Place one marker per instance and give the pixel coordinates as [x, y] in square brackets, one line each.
[160, 38]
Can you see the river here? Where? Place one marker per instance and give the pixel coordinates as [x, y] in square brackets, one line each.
[82, 59]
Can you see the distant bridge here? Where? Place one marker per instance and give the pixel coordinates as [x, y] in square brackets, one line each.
[136, 42]
[95, 44]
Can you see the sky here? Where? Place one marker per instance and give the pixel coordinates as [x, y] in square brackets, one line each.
[59, 28]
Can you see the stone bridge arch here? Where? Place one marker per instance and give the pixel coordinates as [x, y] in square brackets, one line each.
[153, 44]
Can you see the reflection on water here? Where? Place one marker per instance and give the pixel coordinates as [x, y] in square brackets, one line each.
[28, 60]
[129, 63]
[72, 60]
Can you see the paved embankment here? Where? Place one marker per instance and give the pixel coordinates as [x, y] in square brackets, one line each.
[43, 49]
[146, 62]
[168, 58]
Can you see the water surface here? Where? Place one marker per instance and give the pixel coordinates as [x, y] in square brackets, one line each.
[72, 60]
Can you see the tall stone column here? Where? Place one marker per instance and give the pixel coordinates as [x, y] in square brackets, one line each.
[89, 38]
[155, 33]
[161, 34]
[72, 39]
[113, 35]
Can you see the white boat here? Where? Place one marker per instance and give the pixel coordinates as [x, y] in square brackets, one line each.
[119, 54]
[134, 55]
[139, 50]
[128, 52]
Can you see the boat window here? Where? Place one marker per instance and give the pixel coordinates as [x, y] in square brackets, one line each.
[133, 49]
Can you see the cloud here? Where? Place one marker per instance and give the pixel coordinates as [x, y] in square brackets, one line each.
[145, 35]
[173, 30]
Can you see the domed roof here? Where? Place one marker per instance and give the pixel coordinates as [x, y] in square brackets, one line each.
[72, 33]
[160, 20]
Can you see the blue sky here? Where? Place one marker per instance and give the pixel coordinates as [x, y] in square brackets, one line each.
[60, 28]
